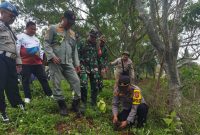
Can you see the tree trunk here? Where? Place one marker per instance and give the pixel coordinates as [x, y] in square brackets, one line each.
[174, 86]
[165, 40]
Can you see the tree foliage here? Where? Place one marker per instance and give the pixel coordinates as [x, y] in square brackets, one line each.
[117, 20]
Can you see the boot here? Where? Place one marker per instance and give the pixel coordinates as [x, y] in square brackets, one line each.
[62, 107]
[83, 108]
[76, 105]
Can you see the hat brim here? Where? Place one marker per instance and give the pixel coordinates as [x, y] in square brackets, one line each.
[6, 10]
[93, 35]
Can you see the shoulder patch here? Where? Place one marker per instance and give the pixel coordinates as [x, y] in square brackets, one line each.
[137, 97]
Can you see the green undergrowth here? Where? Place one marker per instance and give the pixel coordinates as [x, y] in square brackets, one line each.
[42, 115]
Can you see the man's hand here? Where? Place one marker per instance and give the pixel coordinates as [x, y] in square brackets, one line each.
[78, 69]
[103, 71]
[56, 60]
[102, 39]
[115, 119]
[123, 124]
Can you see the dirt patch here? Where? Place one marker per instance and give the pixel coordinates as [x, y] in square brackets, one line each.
[126, 133]
[63, 128]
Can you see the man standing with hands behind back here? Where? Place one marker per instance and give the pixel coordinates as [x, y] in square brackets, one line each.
[61, 50]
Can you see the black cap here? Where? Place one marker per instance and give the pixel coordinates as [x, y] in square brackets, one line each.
[70, 16]
[124, 80]
[94, 32]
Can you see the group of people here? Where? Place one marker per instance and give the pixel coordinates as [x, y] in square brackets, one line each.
[75, 61]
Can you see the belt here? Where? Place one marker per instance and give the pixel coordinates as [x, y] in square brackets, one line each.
[8, 54]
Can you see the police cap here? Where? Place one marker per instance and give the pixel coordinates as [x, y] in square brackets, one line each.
[9, 7]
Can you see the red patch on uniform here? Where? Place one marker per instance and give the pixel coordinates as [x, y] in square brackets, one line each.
[136, 94]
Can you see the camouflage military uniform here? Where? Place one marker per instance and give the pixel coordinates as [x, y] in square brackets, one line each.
[103, 63]
[61, 43]
[88, 55]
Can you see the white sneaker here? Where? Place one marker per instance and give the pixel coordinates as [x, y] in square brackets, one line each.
[27, 100]
[4, 117]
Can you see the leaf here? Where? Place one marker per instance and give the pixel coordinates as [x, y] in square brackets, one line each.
[173, 114]
[178, 123]
[167, 130]
[167, 121]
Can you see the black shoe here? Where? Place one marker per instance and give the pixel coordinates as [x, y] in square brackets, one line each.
[4, 117]
[63, 107]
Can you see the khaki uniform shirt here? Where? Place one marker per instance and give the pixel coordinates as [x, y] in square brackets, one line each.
[61, 43]
[128, 65]
[7, 42]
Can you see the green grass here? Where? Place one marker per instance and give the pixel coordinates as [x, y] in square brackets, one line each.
[42, 115]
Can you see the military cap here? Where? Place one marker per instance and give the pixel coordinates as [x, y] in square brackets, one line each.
[94, 32]
[70, 16]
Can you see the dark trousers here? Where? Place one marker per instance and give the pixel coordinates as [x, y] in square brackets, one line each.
[8, 83]
[141, 115]
[94, 88]
[39, 72]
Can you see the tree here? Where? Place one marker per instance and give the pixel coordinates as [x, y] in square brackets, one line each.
[163, 22]
[190, 35]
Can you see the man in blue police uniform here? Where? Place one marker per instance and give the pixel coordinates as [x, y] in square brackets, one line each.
[8, 59]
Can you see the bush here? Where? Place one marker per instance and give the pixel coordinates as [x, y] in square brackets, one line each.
[190, 78]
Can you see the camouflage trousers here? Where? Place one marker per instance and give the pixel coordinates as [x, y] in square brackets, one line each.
[94, 78]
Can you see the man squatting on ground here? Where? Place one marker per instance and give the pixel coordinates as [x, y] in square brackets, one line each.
[134, 108]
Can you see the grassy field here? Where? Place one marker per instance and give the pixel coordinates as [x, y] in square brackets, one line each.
[42, 116]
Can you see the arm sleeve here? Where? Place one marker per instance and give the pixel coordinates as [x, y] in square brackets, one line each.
[75, 56]
[115, 62]
[41, 52]
[115, 105]
[132, 73]
[104, 58]
[18, 49]
[48, 44]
